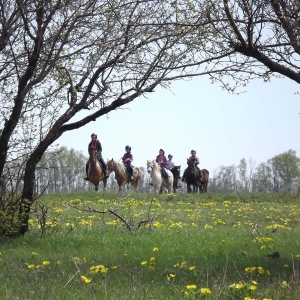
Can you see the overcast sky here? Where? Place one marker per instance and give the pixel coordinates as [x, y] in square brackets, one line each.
[195, 114]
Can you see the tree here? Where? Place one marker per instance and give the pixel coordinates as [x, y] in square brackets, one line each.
[84, 59]
[247, 39]
[62, 58]
[286, 170]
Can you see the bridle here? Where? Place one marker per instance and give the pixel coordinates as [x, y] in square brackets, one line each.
[93, 157]
[150, 167]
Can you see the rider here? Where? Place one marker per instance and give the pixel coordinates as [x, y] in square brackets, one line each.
[162, 161]
[127, 159]
[170, 163]
[195, 159]
[95, 144]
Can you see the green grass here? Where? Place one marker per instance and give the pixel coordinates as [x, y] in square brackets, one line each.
[202, 240]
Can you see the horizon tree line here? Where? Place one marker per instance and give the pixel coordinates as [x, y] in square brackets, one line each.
[63, 171]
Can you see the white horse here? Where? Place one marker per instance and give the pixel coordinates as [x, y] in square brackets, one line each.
[158, 181]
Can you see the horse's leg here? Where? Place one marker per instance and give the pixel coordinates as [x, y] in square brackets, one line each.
[104, 184]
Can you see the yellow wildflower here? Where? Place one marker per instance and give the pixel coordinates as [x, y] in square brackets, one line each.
[30, 266]
[171, 277]
[284, 284]
[192, 268]
[191, 287]
[155, 249]
[85, 279]
[260, 270]
[205, 291]
[143, 263]
[46, 263]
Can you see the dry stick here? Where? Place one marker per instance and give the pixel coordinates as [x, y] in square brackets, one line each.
[73, 275]
[150, 220]
[122, 219]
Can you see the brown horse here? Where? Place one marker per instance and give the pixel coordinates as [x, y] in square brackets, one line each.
[95, 171]
[176, 175]
[193, 181]
[122, 176]
[203, 184]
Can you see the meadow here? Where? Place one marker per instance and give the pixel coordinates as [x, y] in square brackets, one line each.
[141, 246]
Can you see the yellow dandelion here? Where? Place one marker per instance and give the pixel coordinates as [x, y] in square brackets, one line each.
[254, 282]
[153, 259]
[33, 253]
[114, 267]
[143, 263]
[155, 249]
[30, 266]
[171, 277]
[46, 263]
[252, 287]
[284, 284]
[192, 268]
[85, 279]
[191, 287]
[260, 270]
[205, 291]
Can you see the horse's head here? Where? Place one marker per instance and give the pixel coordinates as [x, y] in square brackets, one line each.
[150, 166]
[110, 165]
[177, 170]
[191, 167]
[93, 155]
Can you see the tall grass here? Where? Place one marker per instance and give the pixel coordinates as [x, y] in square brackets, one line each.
[205, 246]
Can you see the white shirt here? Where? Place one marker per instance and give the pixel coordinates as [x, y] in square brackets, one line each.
[170, 164]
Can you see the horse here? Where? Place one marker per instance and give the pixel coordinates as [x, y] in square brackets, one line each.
[122, 176]
[158, 181]
[176, 175]
[192, 177]
[95, 171]
[203, 184]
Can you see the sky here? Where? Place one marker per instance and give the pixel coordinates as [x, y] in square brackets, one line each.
[258, 124]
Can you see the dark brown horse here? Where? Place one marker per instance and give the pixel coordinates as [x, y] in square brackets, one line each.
[122, 176]
[203, 184]
[192, 177]
[176, 175]
[95, 171]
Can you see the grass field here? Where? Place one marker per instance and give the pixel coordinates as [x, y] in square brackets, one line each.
[180, 246]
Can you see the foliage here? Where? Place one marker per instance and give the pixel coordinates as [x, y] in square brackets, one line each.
[213, 246]
[66, 63]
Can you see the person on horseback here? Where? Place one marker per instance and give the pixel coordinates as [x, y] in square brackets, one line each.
[170, 164]
[127, 159]
[162, 161]
[95, 144]
[194, 158]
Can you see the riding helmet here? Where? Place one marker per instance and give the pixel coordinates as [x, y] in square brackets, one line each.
[93, 135]
[127, 147]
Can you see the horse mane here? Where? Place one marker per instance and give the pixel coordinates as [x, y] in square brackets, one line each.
[155, 164]
[120, 166]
